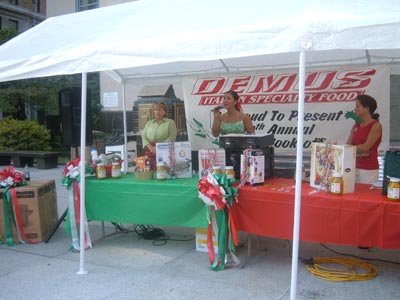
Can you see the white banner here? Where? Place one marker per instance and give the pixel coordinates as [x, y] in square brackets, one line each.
[271, 100]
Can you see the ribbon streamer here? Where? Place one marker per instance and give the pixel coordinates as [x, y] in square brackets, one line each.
[217, 192]
[10, 178]
[7, 212]
[18, 220]
[71, 181]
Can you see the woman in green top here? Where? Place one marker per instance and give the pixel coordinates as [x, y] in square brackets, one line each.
[234, 120]
[158, 130]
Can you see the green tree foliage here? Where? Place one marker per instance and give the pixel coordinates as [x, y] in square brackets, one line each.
[94, 86]
[23, 135]
[43, 92]
[7, 34]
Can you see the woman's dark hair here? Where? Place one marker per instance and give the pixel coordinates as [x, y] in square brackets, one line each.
[236, 98]
[233, 94]
[370, 102]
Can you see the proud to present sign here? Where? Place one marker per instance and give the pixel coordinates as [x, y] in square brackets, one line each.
[271, 101]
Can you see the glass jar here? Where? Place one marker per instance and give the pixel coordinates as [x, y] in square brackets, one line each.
[230, 173]
[216, 170]
[336, 186]
[393, 190]
[303, 173]
[101, 171]
[116, 170]
[161, 173]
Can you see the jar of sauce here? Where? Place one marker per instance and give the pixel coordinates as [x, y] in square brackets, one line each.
[101, 171]
[230, 173]
[336, 186]
[116, 170]
[393, 190]
[161, 173]
[216, 170]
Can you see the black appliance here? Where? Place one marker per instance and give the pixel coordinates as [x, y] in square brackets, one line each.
[234, 144]
[245, 141]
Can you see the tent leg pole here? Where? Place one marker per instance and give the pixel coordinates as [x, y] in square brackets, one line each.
[82, 234]
[299, 161]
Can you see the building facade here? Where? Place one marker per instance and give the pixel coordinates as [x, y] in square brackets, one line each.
[21, 15]
[62, 7]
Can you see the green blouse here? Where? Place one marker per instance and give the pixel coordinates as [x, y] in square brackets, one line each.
[227, 128]
[165, 131]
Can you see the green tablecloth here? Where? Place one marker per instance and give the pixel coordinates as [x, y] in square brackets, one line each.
[172, 202]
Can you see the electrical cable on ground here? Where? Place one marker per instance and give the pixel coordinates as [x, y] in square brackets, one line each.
[159, 237]
[350, 271]
[350, 268]
[383, 262]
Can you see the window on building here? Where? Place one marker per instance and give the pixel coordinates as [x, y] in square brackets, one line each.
[36, 5]
[87, 4]
[13, 24]
[15, 2]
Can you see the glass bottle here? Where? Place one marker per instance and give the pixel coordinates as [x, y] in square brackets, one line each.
[161, 173]
[216, 170]
[27, 173]
[393, 190]
[336, 186]
[230, 172]
[116, 170]
[101, 171]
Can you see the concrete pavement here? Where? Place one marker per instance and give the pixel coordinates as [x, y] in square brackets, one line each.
[123, 266]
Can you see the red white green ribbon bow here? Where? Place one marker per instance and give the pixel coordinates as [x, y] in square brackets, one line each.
[10, 178]
[217, 192]
[71, 180]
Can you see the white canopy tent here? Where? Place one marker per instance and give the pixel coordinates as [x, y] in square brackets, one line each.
[156, 38]
[178, 37]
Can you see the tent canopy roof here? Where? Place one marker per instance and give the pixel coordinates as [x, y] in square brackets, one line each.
[178, 37]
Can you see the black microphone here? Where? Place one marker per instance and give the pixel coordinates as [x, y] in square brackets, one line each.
[217, 108]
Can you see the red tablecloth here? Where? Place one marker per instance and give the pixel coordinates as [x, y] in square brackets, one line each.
[363, 218]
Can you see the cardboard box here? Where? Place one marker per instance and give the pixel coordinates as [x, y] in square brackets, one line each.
[326, 158]
[144, 175]
[253, 164]
[209, 158]
[182, 154]
[201, 240]
[38, 208]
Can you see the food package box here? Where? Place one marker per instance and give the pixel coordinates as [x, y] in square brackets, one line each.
[177, 157]
[201, 240]
[38, 209]
[252, 164]
[209, 158]
[120, 150]
[140, 162]
[326, 158]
